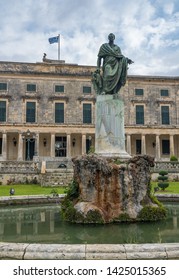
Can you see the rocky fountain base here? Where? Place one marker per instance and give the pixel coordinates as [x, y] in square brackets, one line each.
[105, 190]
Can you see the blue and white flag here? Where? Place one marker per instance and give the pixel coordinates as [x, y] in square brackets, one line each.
[53, 40]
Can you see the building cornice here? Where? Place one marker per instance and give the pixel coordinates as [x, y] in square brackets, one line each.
[66, 69]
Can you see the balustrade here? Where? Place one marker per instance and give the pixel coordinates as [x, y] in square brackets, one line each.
[170, 166]
[19, 167]
[35, 166]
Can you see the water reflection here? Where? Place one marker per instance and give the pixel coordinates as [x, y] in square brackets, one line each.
[43, 224]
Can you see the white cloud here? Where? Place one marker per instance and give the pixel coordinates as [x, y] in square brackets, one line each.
[147, 31]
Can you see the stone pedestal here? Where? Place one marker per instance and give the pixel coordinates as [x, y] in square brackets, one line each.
[110, 137]
[111, 192]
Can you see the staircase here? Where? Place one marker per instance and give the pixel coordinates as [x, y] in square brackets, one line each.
[56, 177]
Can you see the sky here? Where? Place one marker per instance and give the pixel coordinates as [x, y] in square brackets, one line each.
[147, 32]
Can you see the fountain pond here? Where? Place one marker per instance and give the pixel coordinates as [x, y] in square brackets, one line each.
[43, 224]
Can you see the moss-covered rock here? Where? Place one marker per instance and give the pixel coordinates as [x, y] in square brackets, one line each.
[152, 213]
[104, 191]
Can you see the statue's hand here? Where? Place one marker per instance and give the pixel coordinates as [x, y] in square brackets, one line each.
[97, 70]
[129, 61]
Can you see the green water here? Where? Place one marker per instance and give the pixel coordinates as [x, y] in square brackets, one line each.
[42, 224]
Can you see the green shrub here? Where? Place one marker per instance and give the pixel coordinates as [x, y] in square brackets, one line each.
[117, 161]
[124, 217]
[94, 216]
[163, 178]
[91, 150]
[173, 158]
[72, 190]
[150, 213]
[54, 192]
[68, 211]
[163, 173]
[163, 185]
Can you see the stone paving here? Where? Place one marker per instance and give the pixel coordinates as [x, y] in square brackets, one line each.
[30, 199]
[22, 251]
[162, 197]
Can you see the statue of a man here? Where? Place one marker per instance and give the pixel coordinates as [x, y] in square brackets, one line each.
[114, 68]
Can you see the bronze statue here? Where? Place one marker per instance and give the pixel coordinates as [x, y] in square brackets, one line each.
[114, 68]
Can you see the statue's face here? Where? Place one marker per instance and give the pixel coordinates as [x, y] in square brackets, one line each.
[111, 37]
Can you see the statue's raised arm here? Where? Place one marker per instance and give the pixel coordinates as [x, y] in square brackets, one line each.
[114, 68]
[129, 61]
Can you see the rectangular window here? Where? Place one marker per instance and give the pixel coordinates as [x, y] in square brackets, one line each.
[139, 91]
[30, 112]
[164, 92]
[0, 146]
[31, 87]
[60, 146]
[139, 114]
[86, 90]
[59, 88]
[2, 111]
[87, 113]
[165, 114]
[3, 86]
[138, 146]
[165, 147]
[59, 112]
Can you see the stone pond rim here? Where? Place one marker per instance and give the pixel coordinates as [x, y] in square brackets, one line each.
[112, 191]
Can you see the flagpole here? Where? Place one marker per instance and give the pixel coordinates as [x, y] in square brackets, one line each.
[58, 46]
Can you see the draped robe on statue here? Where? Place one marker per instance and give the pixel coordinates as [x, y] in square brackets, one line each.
[114, 68]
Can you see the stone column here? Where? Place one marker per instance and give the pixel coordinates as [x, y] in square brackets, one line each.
[42, 217]
[83, 144]
[35, 227]
[18, 227]
[143, 145]
[68, 145]
[37, 144]
[175, 222]
[52, 148]
[52, 223]
[172, 145]
[128, 144]
[20, 147]
[4, 146]
[157, 148]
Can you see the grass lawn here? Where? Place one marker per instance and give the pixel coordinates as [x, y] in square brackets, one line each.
[29, 190]
[37, 189]
[172, 188]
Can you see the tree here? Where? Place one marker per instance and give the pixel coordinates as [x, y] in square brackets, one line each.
[163, 178]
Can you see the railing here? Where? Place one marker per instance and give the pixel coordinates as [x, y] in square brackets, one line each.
[35, 166]
[20, 167]
[169, 166]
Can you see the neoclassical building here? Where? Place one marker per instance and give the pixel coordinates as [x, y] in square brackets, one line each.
[47, 110]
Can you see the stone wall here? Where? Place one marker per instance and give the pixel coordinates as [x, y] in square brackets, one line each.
[53, 178]
[14, 178]
[50, 173]
[72, 77]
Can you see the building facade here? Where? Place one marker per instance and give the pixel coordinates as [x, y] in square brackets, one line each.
[47, 110]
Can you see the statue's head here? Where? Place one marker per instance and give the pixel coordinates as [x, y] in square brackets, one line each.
[111, 37]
